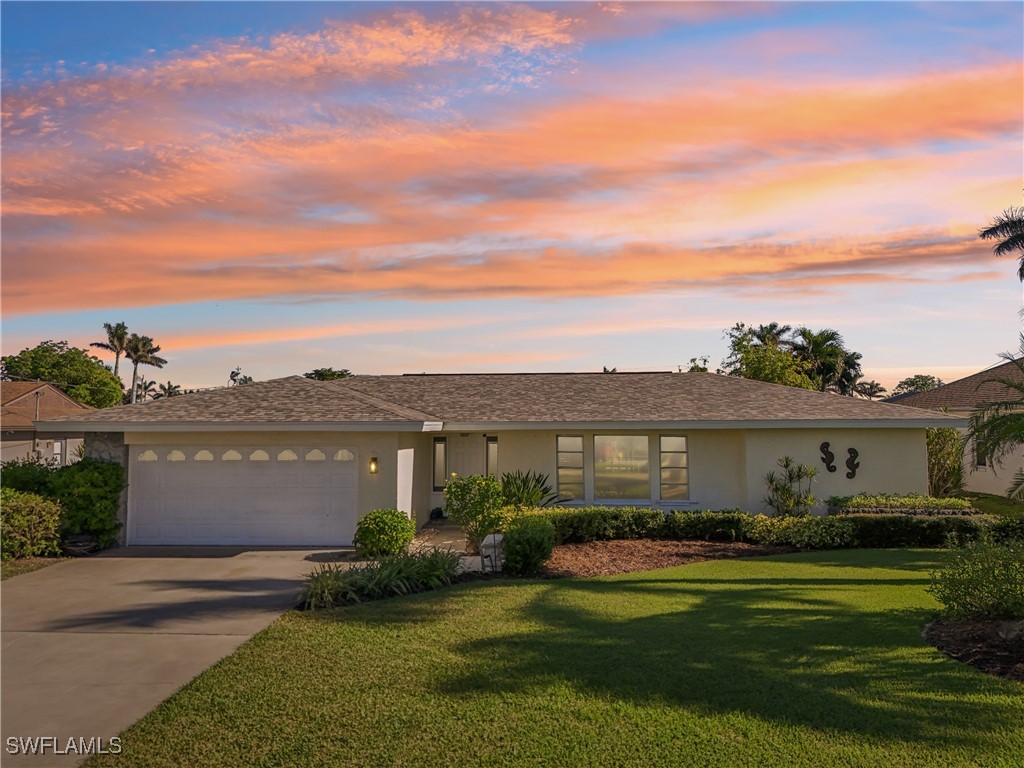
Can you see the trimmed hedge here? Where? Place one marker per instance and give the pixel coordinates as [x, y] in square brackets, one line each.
[576, 525]
[909, 504]
[582, 524]
[29, 525]
[982, 580]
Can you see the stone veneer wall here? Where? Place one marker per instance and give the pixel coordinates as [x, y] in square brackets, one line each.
[110, 446]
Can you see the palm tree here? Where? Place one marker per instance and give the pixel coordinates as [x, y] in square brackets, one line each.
[117, 338]
[870, 389]
[1008, 229]
[997, 428]
[168, 390]
[147, 389]
[141, 351]
[772, 333]
[825, 356]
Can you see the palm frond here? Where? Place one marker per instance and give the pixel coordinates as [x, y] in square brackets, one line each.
[1016, 490]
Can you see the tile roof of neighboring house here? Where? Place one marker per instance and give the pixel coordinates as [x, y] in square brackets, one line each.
[967, 393]
[497, 399]
[18, 404]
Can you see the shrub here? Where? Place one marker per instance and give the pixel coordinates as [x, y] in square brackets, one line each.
[804, 532]
[528, 489]
[983, 580]
[945, 461]
[29, 525]
[576, 525]
[528, 542]
[475, 503]
[901, 530]
[384, 532]
[1007, 529]
[334, 584]
[29, 475]
[787, 496]
[89, 491]
[910, 504]
[733, 525]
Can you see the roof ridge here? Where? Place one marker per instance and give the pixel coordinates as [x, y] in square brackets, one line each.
[396, 408]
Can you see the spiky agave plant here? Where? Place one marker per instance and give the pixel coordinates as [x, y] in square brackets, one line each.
[528, 489]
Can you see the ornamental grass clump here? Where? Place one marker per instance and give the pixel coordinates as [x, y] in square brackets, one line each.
[333, 585]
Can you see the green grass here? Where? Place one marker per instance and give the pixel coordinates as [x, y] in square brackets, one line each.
[991, 504]
[797, 660]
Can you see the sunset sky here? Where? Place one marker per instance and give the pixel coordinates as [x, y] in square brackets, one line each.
[509, 187]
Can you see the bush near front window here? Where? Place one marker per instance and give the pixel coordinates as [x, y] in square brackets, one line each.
[29, 525]
[528, 542]
[384, 532]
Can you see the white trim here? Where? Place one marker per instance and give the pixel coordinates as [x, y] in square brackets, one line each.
[228, 426]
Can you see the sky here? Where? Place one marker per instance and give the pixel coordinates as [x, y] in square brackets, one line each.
[437, 187]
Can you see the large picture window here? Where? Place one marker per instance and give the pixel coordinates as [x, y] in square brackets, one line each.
[675, 471]
[570, 466]
[440, 462]
[621, 467]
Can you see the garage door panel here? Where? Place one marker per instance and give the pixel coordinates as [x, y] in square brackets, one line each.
[245, 502]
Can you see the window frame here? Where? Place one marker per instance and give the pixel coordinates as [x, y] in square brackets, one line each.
[582, 468]
[442, 441]
[491, 467]
[662, 468]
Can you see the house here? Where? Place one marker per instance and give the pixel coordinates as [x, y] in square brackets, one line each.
[961, 398]
[295, 461]
[24, 402]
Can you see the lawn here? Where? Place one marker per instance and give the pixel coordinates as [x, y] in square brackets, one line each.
[991, 504]
[11, 568]
[795, 660]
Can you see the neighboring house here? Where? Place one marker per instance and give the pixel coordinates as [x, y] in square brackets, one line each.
[960, 398]
[24, 402]
[296, 461]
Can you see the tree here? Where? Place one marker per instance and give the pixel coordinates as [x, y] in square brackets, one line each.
[919, 382]
[752, 359]
[997, 428]
[141, 351]
[117, 338]
[830, 365]
[945, 461]
[168, 390]
[773, 333]
[787, 496]
[80, 375]
[870, 389]
[698, 364]
[328, 374]
[1008, 230]
[609, 370]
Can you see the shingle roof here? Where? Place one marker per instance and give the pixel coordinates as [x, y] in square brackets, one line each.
[967, 393]
[290, 400]
[496, 399]
[18, 411]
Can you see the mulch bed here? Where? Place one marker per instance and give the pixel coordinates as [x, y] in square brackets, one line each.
[991, 646]
[604, 558]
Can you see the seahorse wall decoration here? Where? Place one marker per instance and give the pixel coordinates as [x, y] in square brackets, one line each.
[827, 457]
[852, 464]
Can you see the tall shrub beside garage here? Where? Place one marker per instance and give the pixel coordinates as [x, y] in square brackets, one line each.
[89, 492]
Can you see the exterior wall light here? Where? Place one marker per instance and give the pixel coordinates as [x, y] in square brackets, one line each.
[373, 465]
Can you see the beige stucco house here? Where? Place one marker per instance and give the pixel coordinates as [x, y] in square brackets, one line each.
[295, 461]
[961, 398]
[22, 403]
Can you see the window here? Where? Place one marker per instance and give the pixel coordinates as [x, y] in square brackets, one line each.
[440, 462]
[259, 455]
[148, 456]
[675, 477]
[621, 468]
[175, 456]
[231, 455]
[492, 456]
[203, 456]
[287, 455]
[344, 455]
[315, 455]
[58, 451]
[570, 466]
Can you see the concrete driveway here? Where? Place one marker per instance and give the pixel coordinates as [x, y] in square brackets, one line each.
[91, 645]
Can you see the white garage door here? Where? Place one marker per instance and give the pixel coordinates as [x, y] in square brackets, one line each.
[244, 495]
